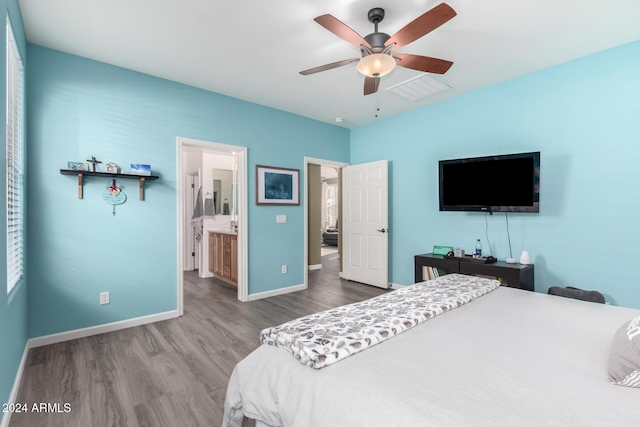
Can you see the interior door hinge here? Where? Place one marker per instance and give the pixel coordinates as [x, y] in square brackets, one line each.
[193, 254]
[193, 185]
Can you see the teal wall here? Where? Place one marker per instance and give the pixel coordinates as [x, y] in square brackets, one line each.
[584, 117]
[581, 115]
[80, 108]
[13, 307]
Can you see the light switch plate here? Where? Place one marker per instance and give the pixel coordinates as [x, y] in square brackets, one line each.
[281, 219]
[104, 298]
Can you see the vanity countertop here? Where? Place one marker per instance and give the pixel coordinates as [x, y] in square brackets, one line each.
[225, 230]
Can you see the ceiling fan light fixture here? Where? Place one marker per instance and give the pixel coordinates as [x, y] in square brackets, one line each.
[376, 65]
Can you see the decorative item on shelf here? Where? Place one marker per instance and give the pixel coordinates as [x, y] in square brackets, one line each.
[113, 195]
[525, 258]
[140, 169]
[111, 168]
[94, 162]
[442, 250]
[277, 186]
[78, 166]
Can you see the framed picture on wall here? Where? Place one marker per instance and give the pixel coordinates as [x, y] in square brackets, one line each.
[277, 186]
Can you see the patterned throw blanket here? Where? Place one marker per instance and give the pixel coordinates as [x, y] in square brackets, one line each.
[327, 337]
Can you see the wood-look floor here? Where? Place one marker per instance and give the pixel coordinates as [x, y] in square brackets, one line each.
[171, 373]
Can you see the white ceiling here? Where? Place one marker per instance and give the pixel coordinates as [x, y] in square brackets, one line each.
[254, 49]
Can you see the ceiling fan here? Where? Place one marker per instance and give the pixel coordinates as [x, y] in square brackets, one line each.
[377, 57]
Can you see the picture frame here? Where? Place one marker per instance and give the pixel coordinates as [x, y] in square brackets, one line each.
[140, 169]
[78, 166]
[277, 186]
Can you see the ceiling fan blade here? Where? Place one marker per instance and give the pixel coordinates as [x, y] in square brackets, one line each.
[331, 66]
[423, 63]
[341, 30]
[371, 85]
[422, 25]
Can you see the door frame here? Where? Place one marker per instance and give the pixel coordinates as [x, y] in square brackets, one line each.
[191, 261]
[307, 162]
[242, 202]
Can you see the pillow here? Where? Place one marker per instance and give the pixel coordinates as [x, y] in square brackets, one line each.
[624, 356]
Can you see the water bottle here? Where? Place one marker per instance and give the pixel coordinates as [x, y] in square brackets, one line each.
[478, 253]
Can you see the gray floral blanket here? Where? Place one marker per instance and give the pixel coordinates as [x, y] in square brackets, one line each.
[327, 337]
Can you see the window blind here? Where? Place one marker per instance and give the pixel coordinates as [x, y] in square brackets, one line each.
[15, 191]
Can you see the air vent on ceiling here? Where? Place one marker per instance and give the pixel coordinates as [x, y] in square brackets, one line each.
[419, 87]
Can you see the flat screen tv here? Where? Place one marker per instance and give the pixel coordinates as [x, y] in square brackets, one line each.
[504, 183]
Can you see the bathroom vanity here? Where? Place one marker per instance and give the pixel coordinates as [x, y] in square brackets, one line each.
[223, 255]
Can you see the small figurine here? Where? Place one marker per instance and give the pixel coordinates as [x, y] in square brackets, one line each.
[94, 162]
[111, 168]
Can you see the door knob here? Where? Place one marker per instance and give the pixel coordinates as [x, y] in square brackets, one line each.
[384, 230]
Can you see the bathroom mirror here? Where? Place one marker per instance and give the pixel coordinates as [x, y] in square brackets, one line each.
[223, 192]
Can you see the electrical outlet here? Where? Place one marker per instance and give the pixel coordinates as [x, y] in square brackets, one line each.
[284, 269]
[281, 219]
[104, 298]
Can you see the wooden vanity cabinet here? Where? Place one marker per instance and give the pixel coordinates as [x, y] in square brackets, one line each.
[223, 256]
[234, 259]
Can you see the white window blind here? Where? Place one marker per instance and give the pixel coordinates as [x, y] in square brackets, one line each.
[15, 191]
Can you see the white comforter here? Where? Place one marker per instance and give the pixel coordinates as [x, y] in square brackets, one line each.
[510, 358]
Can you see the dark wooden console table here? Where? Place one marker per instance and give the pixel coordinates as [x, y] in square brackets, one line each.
[512, 275]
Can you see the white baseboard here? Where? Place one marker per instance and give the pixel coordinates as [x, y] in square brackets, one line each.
[72, 335]
[267, 294]
[4, 422]
[395, 286]
[315, 267]
[101, 329]
[341, 274]
[204, 274]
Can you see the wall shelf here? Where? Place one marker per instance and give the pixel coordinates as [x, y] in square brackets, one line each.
[81, 174]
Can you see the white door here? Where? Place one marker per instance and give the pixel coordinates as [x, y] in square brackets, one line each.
[365, 235]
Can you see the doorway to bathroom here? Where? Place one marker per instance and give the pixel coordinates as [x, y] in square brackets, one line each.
[213, 214]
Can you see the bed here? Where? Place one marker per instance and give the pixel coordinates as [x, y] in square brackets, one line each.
[510, 357]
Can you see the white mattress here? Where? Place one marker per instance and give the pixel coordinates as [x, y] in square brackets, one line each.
[509, 358]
